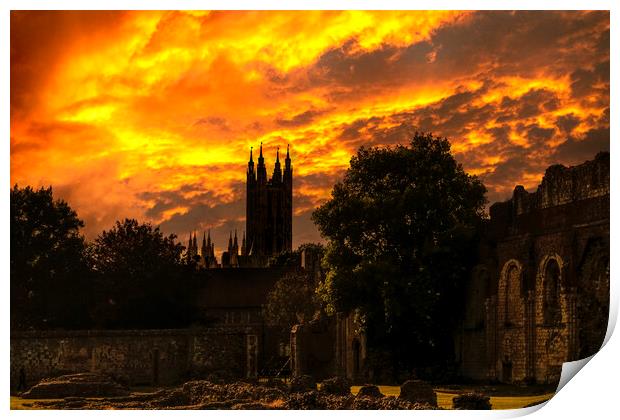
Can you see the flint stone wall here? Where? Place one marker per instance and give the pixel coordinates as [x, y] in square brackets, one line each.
[505, 335]
[136, 357]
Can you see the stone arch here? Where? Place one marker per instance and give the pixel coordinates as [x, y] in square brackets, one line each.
[551, 283]
[511, 293]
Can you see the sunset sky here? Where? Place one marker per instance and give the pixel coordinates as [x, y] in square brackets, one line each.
[151, 114]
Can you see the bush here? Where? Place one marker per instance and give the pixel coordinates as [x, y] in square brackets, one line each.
[471, 401]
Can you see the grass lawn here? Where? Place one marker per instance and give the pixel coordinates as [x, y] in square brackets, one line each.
[17, 403]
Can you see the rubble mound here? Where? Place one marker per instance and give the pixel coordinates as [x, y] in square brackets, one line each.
[471, 401]
[170, 398]
[416, 391]
[313, 400]
[302, 383]
[201, 392]
[336, 386]
[369, 391]
[205, 395]
[76, 385]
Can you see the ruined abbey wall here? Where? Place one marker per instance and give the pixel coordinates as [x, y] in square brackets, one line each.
[540, 295]
[137, 357]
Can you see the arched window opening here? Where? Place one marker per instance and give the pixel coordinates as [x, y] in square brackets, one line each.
[512, 296]
[552, 310]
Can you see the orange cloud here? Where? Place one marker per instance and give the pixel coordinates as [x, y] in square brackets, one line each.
[152, 114]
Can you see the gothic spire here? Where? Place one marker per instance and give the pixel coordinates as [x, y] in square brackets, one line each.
[287, 161]
[251, 161]
[277, 172]
[203, 249]
[261, 174]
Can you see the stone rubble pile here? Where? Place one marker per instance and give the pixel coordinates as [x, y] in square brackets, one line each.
[76, 385]
[334, 394]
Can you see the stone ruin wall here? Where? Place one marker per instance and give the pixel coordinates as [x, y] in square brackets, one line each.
[507, 335]
[136, 357]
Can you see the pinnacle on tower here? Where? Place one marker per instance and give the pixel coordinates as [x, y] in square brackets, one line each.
[287, 161]
[261, 171]
[203, 248]
[277, 172]
[251, 160]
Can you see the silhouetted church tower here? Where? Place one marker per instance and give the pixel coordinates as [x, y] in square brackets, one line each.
[269, 207]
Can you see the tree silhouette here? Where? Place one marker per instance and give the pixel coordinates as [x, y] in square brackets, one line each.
[48, 271]
[400, 228]
[293, 298]
[139, 277]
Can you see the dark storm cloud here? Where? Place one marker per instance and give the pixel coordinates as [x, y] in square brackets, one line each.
[539, 135]
[213, 121]
[455, 115]
[513, 169]
[566, 123]
[388, 65]
[316, 180]
[203, 210]
[481, 44]
[300, 119]
[574, 151]
[167, 200]
[586, 81]
[527, 39]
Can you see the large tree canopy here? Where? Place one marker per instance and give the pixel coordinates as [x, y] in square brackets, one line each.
[400, 226]
[140, 273]
[46, 261]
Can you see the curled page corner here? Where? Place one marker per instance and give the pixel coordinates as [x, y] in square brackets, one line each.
[570, 369]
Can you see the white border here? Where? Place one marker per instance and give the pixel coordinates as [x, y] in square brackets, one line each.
[593, 394]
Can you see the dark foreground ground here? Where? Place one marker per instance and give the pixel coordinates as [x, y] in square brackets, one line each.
[80, 392]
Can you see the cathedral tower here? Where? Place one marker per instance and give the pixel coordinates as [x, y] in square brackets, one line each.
[269, 207]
